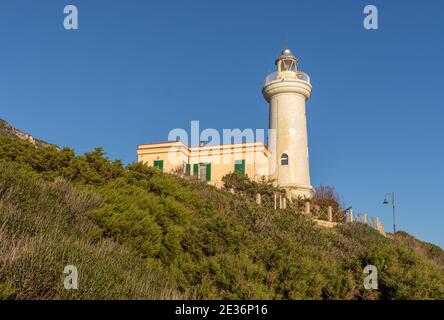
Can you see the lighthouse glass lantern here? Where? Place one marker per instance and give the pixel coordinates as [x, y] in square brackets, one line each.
[286, 61]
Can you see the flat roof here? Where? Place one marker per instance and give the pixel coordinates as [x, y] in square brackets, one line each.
[260, 143]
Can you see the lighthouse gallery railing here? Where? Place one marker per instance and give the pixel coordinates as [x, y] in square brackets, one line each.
[298, 75]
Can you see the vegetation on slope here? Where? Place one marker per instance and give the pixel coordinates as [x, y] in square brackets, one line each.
[6, 130]
[430, 251]
[44, 227]
[212, 243]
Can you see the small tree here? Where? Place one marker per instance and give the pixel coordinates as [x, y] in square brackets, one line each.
[238, 183]
[326, 196]
[244, 185]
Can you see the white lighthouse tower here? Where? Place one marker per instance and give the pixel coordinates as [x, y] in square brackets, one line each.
[287, 90]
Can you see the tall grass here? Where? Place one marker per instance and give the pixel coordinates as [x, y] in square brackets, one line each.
[44, 227]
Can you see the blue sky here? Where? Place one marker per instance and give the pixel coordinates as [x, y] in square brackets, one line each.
[137, 69]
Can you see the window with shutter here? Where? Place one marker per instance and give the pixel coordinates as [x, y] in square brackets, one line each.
[202, 172]
[239, 167]
[158, 164]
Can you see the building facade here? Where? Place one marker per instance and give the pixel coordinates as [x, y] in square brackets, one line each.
[208, 163]
[284, 160]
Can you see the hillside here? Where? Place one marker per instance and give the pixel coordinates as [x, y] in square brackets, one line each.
[6, 130]
[135, 232]
[44, 227]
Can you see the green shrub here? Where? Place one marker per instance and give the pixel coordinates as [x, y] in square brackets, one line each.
[136, 232]
[44, 226]
[7, 292]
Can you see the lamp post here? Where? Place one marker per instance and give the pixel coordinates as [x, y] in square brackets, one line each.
[386, 201]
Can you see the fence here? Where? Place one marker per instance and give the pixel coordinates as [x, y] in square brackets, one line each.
[323, 216]
[373, 222]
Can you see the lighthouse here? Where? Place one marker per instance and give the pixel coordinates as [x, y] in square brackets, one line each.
[287, 90]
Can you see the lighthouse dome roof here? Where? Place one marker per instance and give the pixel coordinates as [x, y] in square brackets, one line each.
[286, 52]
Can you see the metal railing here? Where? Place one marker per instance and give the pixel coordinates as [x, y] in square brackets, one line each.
[297, 75]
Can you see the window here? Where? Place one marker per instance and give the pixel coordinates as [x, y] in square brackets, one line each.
[187, 169]
[284, 159]
[288, 65]
[202, 171]
[158, 164]
[205, 171]
[239, 167]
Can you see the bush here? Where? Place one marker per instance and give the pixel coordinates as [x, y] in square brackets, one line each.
[7, 292]
[44, 226]
[135, 232]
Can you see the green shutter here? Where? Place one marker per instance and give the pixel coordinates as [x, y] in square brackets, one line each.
[196, 169]
[187, 169]
[239, 167]
[158, 164]
[208, 172]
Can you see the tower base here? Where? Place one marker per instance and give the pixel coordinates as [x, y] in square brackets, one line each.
[302, 191]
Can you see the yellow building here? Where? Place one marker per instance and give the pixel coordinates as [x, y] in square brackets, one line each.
[285, 160]
[208, 163]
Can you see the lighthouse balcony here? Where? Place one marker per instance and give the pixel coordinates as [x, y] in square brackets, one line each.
[299, 75]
